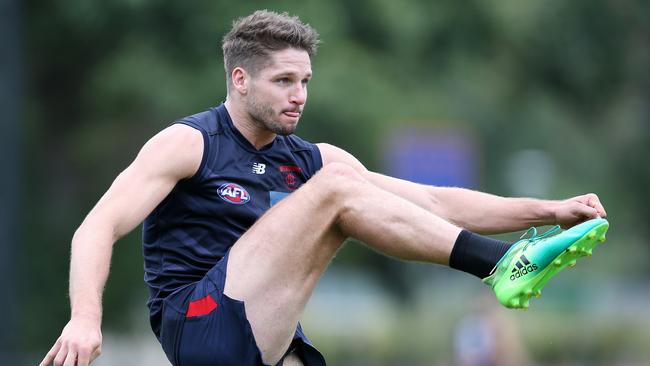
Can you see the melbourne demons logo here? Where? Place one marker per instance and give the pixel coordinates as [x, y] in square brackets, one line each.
[233, 193]
[290, 174]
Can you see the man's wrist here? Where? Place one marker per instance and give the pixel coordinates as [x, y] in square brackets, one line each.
[541, 212]
[548, 212]
[89, 315]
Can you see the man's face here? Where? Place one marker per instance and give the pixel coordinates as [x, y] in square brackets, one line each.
[278, 92]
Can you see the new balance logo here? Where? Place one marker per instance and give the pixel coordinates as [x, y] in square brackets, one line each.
[259, 168]
[523, 267]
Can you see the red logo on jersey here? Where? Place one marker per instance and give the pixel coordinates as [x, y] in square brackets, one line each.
[233, 193]
[290, 174]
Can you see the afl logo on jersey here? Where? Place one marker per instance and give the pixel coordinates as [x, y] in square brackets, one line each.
[233, 193]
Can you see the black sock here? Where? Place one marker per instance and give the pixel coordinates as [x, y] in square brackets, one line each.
[476, 254]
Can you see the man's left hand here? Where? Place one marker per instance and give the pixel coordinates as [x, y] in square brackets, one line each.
[578, 209]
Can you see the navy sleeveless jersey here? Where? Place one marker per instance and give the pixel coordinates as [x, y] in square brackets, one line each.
[203, 216]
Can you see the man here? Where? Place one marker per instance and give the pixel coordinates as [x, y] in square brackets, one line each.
[242, 219]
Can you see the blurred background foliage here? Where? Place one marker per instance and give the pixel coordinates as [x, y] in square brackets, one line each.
[568, 78]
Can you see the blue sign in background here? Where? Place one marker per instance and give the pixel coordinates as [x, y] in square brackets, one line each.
[438, 157]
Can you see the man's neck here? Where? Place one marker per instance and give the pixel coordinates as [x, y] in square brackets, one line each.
[257, 135]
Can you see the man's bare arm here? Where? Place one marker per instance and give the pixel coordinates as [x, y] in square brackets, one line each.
[477, 211]
[173, 154]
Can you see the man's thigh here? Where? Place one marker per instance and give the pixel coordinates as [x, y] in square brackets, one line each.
[274, 267]
[292, 360]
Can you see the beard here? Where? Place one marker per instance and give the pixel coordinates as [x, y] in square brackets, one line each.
[264, 115]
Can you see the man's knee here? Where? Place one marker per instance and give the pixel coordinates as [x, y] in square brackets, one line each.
[336, 180]
[339, 172]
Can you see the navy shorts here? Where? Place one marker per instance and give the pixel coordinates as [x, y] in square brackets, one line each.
[202, 326]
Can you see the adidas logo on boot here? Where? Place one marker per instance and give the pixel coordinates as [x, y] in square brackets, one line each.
[524, 267]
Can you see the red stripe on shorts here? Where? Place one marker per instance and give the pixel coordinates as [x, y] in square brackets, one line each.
[201, 306]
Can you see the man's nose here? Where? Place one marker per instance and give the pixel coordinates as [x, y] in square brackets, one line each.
[298, 95]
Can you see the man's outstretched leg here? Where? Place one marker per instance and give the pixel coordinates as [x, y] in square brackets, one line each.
[275, 265]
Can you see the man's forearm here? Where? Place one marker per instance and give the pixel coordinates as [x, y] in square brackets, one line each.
[489, 214]
[89, 265]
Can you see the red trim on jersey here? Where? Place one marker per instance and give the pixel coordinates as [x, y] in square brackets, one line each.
[201, 306]
[290, 168]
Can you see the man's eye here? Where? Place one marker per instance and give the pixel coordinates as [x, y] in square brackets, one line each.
[283, 81]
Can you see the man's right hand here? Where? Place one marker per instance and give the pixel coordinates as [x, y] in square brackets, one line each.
[79, 344]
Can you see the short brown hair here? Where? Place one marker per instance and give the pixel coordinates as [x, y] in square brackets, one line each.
[252, 38]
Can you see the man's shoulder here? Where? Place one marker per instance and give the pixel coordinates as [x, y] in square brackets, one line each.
[175, 151]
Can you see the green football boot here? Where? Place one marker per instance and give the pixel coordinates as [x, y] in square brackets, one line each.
[530, 263]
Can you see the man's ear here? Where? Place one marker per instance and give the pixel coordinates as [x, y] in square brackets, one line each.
[240, 79]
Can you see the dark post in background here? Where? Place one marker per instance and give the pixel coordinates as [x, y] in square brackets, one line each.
[10, 158]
